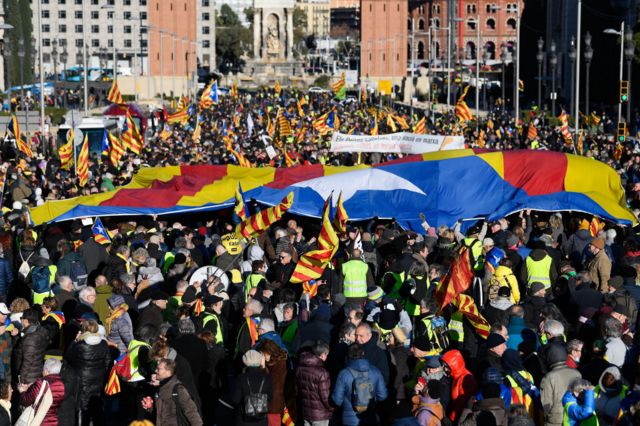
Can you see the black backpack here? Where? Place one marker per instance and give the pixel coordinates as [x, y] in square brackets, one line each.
[78, 273]
[255, 404]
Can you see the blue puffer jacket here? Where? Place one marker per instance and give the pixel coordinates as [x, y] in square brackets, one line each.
[6, 277]
[576, 413]
[342, 392]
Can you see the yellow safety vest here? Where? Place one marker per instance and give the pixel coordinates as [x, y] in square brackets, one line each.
[252, 281]
[133, 349]
[539, 271]
[355, 278]
[411, 308]
[213, 317]
[456, 329]
[475, 248]
[591, 421]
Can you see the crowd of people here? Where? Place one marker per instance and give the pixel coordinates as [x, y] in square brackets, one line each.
[131, 331]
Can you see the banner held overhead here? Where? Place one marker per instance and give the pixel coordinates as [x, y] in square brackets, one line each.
[403, 142]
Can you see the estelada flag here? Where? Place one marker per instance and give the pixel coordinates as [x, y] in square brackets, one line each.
[100, 233]
[457, 280]
[114, 94]
[467, 306]
[261, 221]
[421, 127]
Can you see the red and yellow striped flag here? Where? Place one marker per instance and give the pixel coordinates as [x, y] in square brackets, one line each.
[113, 384]
[114, 95]
[240, 208]
[131, 137]
[286, 418]
[277, 88]
[401, 122]
[24, 147]
[467, 306]
[116, 149]
[179, 116]
[564, 128]
[341, 217]
[463, 112]
[391, 124]
[595, 226]
[312, 264]
[457, 280]
[532, 133]
[261, 221]
[83, 162]
[284, 125]
[66, 151]
[234, 90]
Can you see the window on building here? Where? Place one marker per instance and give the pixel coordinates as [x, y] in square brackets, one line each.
[491, 24]
[206, 44]
[126, 2]
[95, 29]
[126, 15]
[471, 24]
[110, 15]
[143, 15]
[78, 2]
[62, 42]
[436, 9]
[94, 2]
[128, 43]
[511, 24]
[46, 28]
[436, 23]
[205, 3]
[62, 1]
[78, 14]
[62, 14]
[46, 42]
[110, 43]
[127, 29]
[143, 2]
[78, 42]
[421, 24]
[44, 1]
[110, 29]
[79, 28]
[62, 28]
[143, 30]
[45, 14]
[143, 43]
[205, 16]
[95, 42]
[491, 8]
[205, 30]
[95, 14]
[111, 2]
[46, 57]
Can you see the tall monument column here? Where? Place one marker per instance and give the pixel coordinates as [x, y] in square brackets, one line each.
[289, 33]
[257, 38]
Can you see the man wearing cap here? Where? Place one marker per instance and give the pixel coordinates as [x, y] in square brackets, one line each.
[539, 267]
[213, 320]
[599, 266]
[152, 314]
[621, 297]
[496, 345]
[534, 304]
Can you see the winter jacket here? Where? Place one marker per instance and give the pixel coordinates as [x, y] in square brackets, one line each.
[599, 268]
[616, 351]
[152, 315]
[152, 273]
[5, 412]
[495, 406]
[6, 277]
[91, 360]
[121, 332]
[377, 357]
[463, 386]
[115, 267]
[249, 382]
[342, 393]
[166, 410]
[608, 401]
[95, 256]
[64, 264]
[576, 243]
[101, 306]
[314, 388]
[57, 392]
[576, 413]
[515, 328]
[429, 412]
[552, 389]
[29, 353]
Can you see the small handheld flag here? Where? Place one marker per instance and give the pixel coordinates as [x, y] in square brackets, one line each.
[100, 234]
[114, 94]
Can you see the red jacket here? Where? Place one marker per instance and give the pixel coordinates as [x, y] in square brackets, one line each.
[463, 385]
[57, 392]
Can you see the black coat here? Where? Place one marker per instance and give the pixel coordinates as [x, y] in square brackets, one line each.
[95, 256]
[91, 362]
[376, 356]
[151, 315]
[115, 267]
[194, 350]
[249, 382]
[29, 353]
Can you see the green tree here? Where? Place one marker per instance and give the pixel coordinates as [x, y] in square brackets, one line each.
[19, 15]
[299, 32]
[232, 39]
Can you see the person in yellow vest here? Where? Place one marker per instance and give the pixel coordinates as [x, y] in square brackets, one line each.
[139, 353]
[356, 278]
[175, 302]
[213, 320]
[43, 276]
[472, 241]
[539, 267]
[258, 271]
[578, 403]
[523, 390]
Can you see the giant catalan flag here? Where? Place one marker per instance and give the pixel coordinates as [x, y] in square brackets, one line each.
[446, 185]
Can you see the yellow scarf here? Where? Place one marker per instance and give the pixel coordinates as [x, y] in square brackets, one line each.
[117, 313]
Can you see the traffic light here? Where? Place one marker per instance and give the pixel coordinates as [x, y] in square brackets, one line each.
[624, 91]
[622, 132]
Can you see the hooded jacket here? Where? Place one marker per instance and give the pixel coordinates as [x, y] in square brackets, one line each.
[29, 353]
[343, 391]
[608, 400]
[314, 388]
[555, 383]
[576, 243]
[600, 270]
[90, 358]
[463, 385]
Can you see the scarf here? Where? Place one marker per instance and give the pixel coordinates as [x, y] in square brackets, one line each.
[117, 313]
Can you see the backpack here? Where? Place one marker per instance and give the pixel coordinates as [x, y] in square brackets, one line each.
[255, 405]
[78, 273]
[40, 279]
[181, 418]
[439, 335]
[24, 269]
[361, 391]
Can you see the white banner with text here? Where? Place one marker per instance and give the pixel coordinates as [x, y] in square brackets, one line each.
[404, 142]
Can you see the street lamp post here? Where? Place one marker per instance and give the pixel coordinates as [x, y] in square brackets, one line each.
[588, 55]
[503, 59]
[553, 60]
[114, 65]
[629, 50]
[517, 70]
[64, 55]
[54, 59]
[487, 56]
[572, 59]
[84, 61]
[22, 100]
[540, 58]
[5, 28]
[619, 33]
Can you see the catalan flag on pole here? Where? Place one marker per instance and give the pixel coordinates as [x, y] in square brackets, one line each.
[66, 151]
[209, 95]
[23, 145]
[116, 149]
[421, 127]
[14, 127]
[131, 137]
[595, 226]
[240, 208]
[374, 126]
[277, 88]
[83, 162]
[284, 125]
[261, 221]
[100, 233]
[532, 133]
[179, 116]
[234, 89]
[341, 217]
[463, 112]
[312, 264]
[456, 281]
[468, 307]
[564, 128]
[340, 88]
[114, 95]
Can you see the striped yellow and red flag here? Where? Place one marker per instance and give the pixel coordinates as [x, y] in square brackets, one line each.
[284, 125]
[595, 226]
[24, 147]
[277, 88]
[183, 103]
[113, 383]
[286, 418]
[391, 124]
[179, 116]
[261, 221]
[457, 280]
[421, 127]
[401, 122]
[299, 105]
[116, 149]
[312, 264]
[240, 208]
[463, 112]
[341, 217]
[195, 136]
[363, 93]
[66, 151]
[131, 137]
[564, 128]
[288, 160]
[532, 133]
[467, 306]
[114, 95]
[234, 90]
[14, 127]
[83, 162]
[252, 326]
